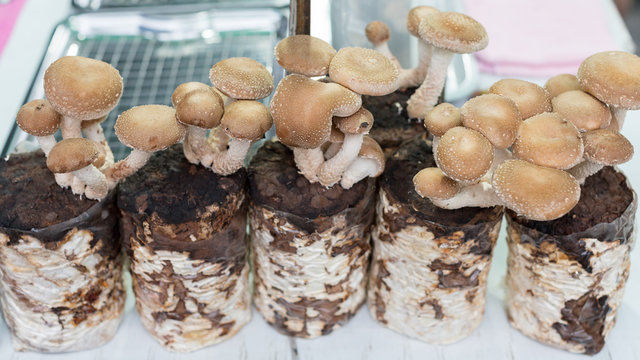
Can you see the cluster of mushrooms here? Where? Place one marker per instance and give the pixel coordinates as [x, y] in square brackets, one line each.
[527, 147]
[328, 135]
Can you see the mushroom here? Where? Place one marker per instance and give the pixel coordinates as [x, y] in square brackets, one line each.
[241, 78]
[39, 119]
[93, 131]
[613, 77]
[335, 142]
[185, 88]
[244, 121]
[530, 98]
[432, 183]
[548, 139]
[559, 84]
[378, 34]
[583, 110]
[606, 147]
[364, 71]
[304, 54]
[369, 163]
[77, 156]
[494, 116]
[354, 127]
[536, 192]
[145, 129]
[448, 33]
[302, 110]
[414, 77]
[80, 89]
[464, 154]
[442, 118]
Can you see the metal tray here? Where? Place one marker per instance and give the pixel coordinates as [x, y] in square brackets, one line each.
[155, 51]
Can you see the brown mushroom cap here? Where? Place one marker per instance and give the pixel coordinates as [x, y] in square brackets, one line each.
[434, 184]
[86, 123]
[558, 84]
[442, 118]
[38, 118]
[358, 123]
[494, 116]
[185, 88]
[82, 88]
[304, 54]
[241, 78]
[530, 98]
[364, 71]
[202, 108]
[453, 31]
[613, 77]
[464, 154]
[302, 109]
[72, 154]
[371, 150]
[536, 192]
[606, 147]
[415, 16]
[583, 110]
[101, 158]
[149, 127]
[548, 139]
[246, 120]
[377, 32]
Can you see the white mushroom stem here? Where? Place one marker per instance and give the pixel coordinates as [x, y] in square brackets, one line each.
[64, 180]
[95, 133]
[414, 77]
[359, 169]
[230, 160]
[332, 150]
[189, 154]
[331, 170]
[127, 167]
[584, 169]
[308, 162]
[96, 183]
[71, 128]
[46, 143]
[617, 119]
[77, 186]
[196, 141]
[218, 139]
[477, 195]
[426, 96]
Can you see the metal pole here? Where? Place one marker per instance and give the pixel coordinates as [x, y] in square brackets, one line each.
[300, 17]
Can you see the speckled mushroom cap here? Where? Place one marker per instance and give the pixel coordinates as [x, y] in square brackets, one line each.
[364, 71]
[583, 110]
[464, 154]
[371, 150]
[432, 183]
[494, 116]
[185, 88]
[377, 32]
[415, 16]
[82, 88]
[149, 127]
[72, 154]
[302, 109]
[241, 78]
[530, 98]
[38, 118]
[304, 54]
[441, 118]
[202, 108]
[86, 123]
[358, 123]
[454, 31]
[535, 192]
[606, 147]
[548, 139]
[558, 84]
[613, 77]
[246, 120]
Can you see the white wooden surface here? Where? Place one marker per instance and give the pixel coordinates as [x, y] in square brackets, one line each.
[361, 338]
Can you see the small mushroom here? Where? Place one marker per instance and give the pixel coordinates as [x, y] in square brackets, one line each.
[77, 156]
[530, 98]
[185, 88]
[464, 154]
[369, 163]
[241, 78]
[606, 147]
[378, 34]
[442, 118]
[549, 140]
[613, 77]
[80, 89]
[494, 116]
[146, 129]
[94, 132]
[536, 192]
[559, 84]
[304, 54]
[448, 33]
[364, 71]
[39, 119]
[583, 110]
[432, 183]
[415, 77]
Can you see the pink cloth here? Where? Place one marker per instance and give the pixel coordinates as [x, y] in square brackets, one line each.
[8, 15]
[540, 38]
